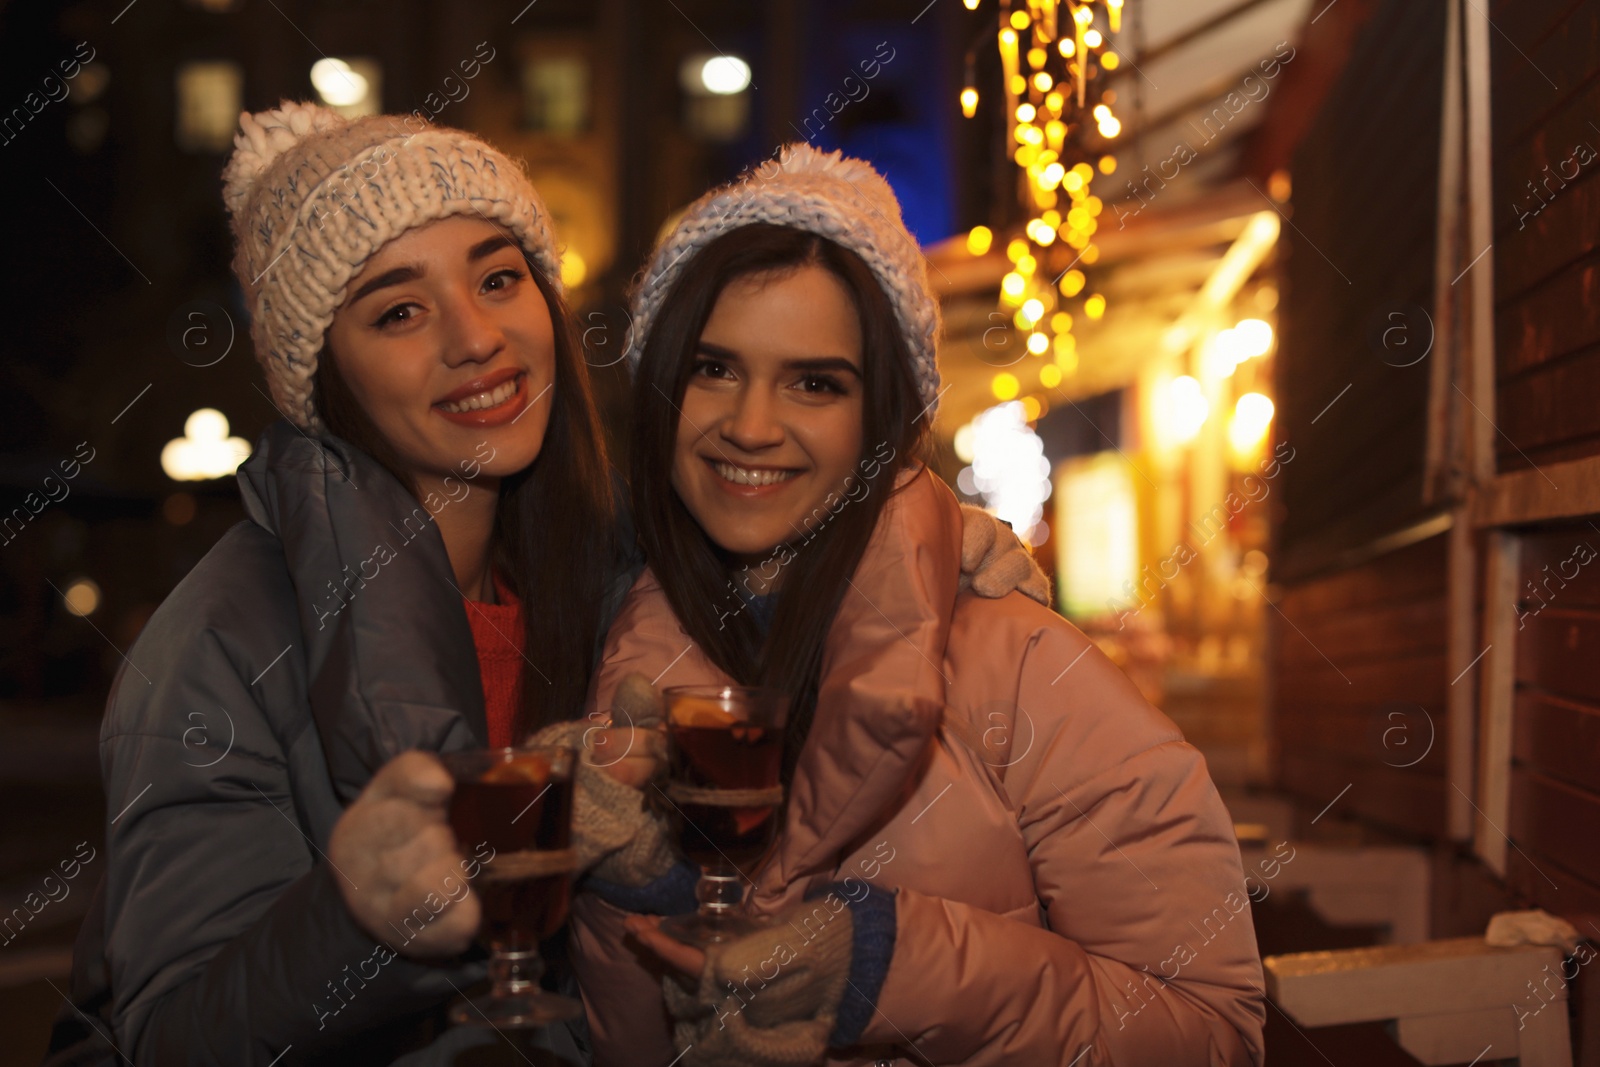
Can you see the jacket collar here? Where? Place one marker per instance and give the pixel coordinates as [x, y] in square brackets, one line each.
[882, 694]
[388, 649]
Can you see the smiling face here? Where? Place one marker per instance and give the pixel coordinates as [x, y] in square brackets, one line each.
[771, 419]
[446, 342]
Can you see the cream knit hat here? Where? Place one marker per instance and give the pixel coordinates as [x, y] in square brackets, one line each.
[312, 196]
[824, 193]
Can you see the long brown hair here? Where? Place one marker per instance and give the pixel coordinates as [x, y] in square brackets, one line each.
[555, 525]
[694, 572]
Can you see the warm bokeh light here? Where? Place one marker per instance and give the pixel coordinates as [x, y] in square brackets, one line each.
[1009, 467]
[1005, 386]
[725, 75]
[337, 82]
[1254, 337]
[1247, 430]
[205, 450]
[81, 597]
[969, 102]
[1038, 344]
[573, 269]
[979, 240]
[1185, 411]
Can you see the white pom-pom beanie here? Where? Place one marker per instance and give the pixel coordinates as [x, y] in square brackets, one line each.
[825, 193]
[312, 196]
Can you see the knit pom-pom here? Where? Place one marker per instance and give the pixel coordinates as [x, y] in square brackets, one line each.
[803, 158]
[265, 136]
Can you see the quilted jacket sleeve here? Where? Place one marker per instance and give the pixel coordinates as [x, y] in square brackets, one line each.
[1148, 956]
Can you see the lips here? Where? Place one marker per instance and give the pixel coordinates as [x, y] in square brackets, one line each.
[490, 400]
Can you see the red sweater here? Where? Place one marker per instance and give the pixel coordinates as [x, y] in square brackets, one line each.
[497, 634]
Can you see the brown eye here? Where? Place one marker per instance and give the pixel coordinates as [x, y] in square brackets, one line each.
[822, 383]
[397, 314]
[502, 279]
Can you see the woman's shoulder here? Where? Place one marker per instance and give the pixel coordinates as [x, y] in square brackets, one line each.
[1015, 662]
[242, 582]
[231, 614]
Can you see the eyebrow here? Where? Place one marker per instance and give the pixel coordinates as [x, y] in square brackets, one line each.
[384, 280]
[411, 272]
[488, 245]
[813, 365]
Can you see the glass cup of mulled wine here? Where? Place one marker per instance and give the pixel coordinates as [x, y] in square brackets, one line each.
[723, 791]
[517, 802]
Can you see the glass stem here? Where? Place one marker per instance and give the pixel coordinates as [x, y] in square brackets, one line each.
[719, 892]
[514, 971]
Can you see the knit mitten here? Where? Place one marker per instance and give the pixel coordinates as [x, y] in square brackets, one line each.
[614, 832]
[994, 561]
[785, 994]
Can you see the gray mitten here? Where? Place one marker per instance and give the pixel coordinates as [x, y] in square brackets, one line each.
[994, 560]
[614, 831]
[769, 999]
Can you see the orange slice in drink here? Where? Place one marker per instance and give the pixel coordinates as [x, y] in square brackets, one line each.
[522, 770]
[698, 712]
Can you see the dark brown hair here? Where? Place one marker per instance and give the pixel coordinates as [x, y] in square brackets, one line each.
[555, 527]
[694, 572]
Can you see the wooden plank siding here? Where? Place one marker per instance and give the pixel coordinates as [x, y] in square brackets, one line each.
[1361, 244]
[1546, 163]
[1554, 822]
[1359, 662]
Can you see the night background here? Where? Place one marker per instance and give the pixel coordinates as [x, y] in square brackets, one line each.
[1439, 408]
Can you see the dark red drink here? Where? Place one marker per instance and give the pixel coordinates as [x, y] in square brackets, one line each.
[736, 756]
[524, 813]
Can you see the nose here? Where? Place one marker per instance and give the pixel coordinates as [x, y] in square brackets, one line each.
[474, 334]
[751, 424]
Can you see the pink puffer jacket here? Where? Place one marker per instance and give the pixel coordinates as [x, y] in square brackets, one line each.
[1069, 884]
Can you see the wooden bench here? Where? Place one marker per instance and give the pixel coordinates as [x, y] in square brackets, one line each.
[1452, 1001]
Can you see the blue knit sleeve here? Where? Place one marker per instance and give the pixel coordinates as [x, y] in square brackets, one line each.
[873, 927]
[670, 894]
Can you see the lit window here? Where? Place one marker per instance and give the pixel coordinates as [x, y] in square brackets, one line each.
[555, 94]
[209, 92]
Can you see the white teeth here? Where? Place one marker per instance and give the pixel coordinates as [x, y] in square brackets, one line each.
[741, 476]
[492, 398]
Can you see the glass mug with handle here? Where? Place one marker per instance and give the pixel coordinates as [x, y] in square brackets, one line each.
[723, 792]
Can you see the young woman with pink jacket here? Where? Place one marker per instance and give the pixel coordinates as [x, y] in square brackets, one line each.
[993, 850]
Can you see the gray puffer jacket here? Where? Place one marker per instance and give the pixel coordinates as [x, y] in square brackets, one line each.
[282, 672]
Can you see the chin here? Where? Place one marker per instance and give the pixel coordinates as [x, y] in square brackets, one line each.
[745, 539]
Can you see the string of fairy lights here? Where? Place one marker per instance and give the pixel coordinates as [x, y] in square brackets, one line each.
[1054, 56]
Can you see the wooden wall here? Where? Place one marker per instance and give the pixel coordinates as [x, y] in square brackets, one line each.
[1359, 661]
[1545, 86]
[1358, 667]
[1360, 246]
[1555, 769]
